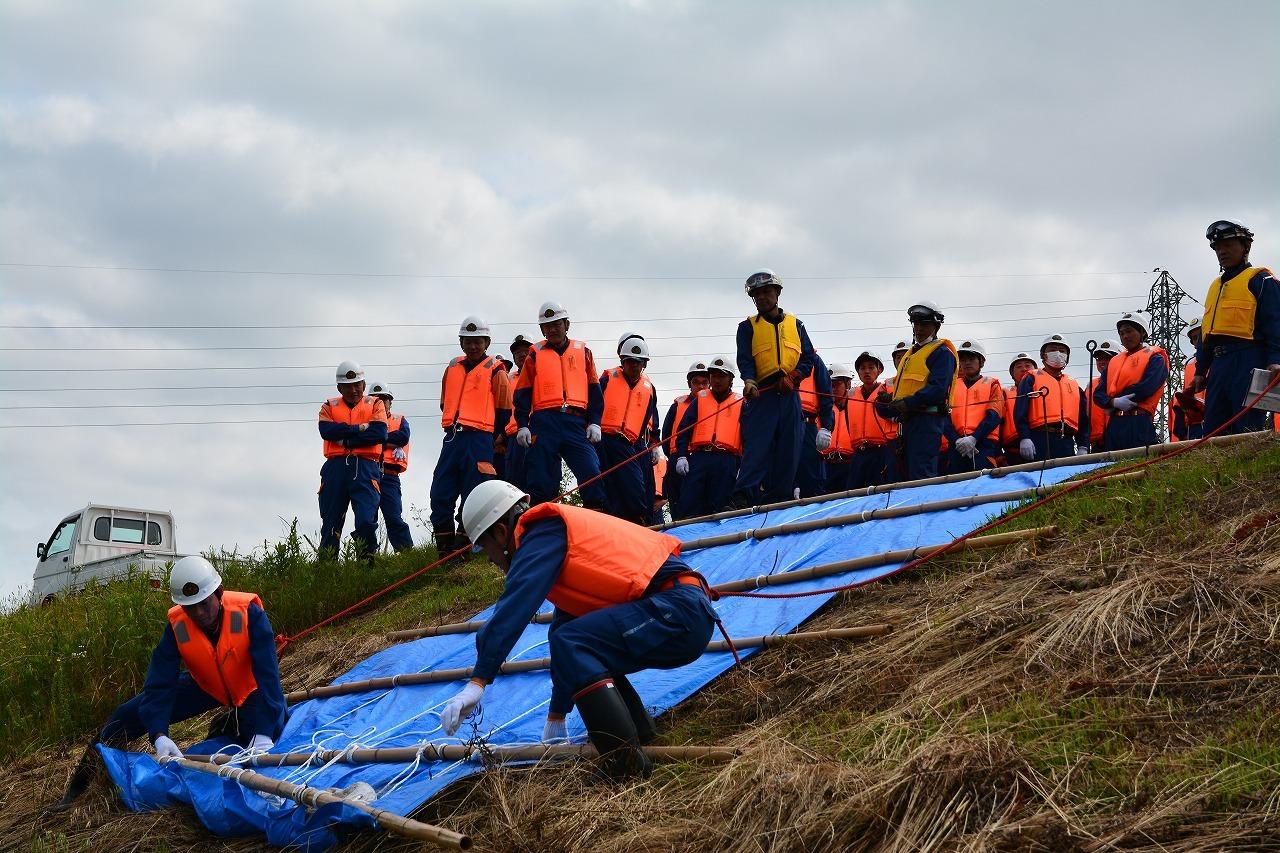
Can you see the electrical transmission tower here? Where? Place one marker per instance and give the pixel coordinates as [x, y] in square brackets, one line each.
[1166, 331]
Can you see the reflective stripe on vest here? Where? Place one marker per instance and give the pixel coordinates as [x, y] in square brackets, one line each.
[775, 348]
[682, 406]
[625, 408]
[559, 380]
[970, 403]
[1098, 417]
[224, 671]
[366, 411]
[1231, 308]
[719, 423]
[468, 394]
[389, 462]
[608, 561]
[1126, 368]
[808, 391]
[1061, 403]
[913, 371]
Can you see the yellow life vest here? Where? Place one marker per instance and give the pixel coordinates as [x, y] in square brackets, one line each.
[775, 348]
[913, 372]
[1230, 308]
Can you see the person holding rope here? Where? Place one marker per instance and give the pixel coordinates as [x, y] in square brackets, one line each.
[977, 409]
[1049, 422]
[1131, 385]
[921, 391]
[624, 600]
[709, 443]
[354, 429]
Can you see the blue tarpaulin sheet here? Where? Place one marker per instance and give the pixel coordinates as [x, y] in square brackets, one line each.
[514, 707]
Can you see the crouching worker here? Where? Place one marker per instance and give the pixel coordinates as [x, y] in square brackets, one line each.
[229, 650]
[625, 602]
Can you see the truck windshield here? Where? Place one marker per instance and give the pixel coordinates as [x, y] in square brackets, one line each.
[62, 537]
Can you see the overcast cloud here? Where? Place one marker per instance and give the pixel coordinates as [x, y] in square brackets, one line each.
[631, 160]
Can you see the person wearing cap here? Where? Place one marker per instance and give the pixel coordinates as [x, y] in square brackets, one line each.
[624, 602]
[774, 355]
[630, 417]
[871, 437]
[1240, 330]
[1131, 385]
[1186, 410]
[395, 461]
[921, 391]
[977, 410]
[475, 405]
[353, 427]
[709, 443]
[558, 409]
[1098, 418]
[1020, 366]
[816, 407]
[218, 650]
[696, 378]
[1049, 422]
[506, 450]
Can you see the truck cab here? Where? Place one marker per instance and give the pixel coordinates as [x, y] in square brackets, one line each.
[102, 542]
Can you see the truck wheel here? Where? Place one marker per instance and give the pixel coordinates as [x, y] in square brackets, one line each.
[48, 600]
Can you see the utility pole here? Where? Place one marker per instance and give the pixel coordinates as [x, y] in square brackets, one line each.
[1166, 331]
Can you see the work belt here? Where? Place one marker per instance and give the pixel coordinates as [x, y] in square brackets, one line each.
[1129, 414]
[1226, 349]
[837, 458]
[1062, 428]
[689, 578]
[711, 448]
[811, 419]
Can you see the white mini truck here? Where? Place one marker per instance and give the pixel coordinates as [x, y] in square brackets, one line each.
[102, 542]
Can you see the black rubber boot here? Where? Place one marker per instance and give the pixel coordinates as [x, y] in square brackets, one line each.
[612, 731]
[444, 544]
[646, 729]
[81, 778]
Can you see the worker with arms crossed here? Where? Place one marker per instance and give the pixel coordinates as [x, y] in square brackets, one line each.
[1131, 386]
[354, 429]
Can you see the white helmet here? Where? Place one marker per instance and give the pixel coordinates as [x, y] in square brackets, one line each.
[634, 347]
[973, 347]
[1107, 349]
[1022, 356]
[349, 372]
[1136, 319]
[626, 337]
[723, 365]
[762, 278]
[867, 355]
[839, 371]
[925, 311]
[192, 580]
[696, 367]
[1055, 339]
[550, 312]
[900, 346]
[474, 327]
[487, 503]
[381, 389]
[1193, 326]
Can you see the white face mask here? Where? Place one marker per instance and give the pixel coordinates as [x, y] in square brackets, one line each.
[1056, 359]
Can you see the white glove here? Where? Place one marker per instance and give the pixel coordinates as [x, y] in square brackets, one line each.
[967, 446]
[682, 466]
[523, 437]
[655, 455]
[1123, 403]
[1083, 451]
[460, 707]
[166, 749]
[399, 455]
[555, 731]
[823, 440]
[362, 427]
[593, 433]
[261, 743]
[1027, 449]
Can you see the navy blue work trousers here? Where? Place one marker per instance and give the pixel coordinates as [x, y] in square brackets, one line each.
[1229, 379]
[1136, 429]
[988, 452]
[772, 430]
[624, 488]
[560, 436]
[811, 474]
[1052, 445]
[922, 445]
[513, 470]
[709, 484]
[466, 461]
[125, 723]
[837, 475]
[349, 481]
[393, 512]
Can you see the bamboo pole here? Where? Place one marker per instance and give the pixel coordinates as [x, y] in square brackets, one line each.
[465, 752]
[436, 676]
[313, 797]
[996, 540]
[995, 473]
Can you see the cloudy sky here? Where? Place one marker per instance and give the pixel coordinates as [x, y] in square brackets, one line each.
[205, 206]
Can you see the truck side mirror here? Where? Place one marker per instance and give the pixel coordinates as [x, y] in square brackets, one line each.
[40, 550]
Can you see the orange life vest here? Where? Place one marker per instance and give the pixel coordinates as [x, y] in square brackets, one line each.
[1126, 368]
[1008, 429]
[224, 671]
[389, 462]
[841, 444]
[659, 474]
[1061, 403]
[467, 398]
[609, 561]
[969, 404]
[682, 406]
[559, 380]
[719, 423]
[865, 426]
[368, 410]
[1098, 417]
[625, 408]
[512, 427]
[808, 391]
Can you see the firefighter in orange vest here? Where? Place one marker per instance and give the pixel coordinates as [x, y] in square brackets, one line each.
[228, 648]
[475, 405]
[1240, 330]
[630, 418]
[1020, 366]
[696, 378]
[354, 428]
[395, 461]
[922, 391]
[838, 456]
[1049, 422]
[624, 600]
[1186, 411]
[1098, 418]
[977, 410]
[814, 392]
[897, 456]
[871, 437]
[513, 455]
[1131, 386]
[709, 443]
[558, 409]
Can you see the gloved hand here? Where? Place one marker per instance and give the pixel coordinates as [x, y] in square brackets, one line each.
[749, 389]
[897, 408]
[1027, 449]
[967, 446]
[655, 455]
[554, 731]
[1123, 403]
[1083, 451]
[166, 749]
[399, 455]
[362, 427]
[460, 707]
[1199, 382]
[682, 466]
[884, 398]
[786, 385]
[823, 441]
[593, 433]
[262, 743]
[523, 437]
